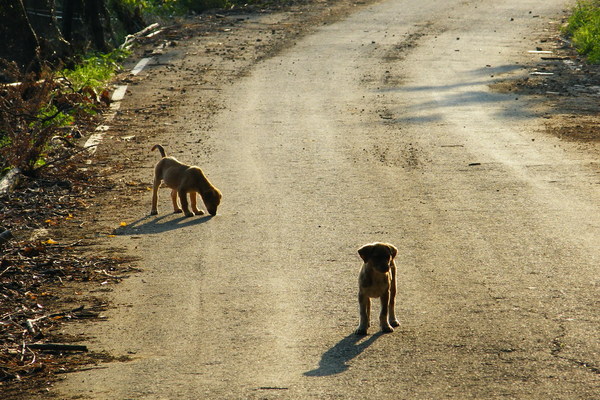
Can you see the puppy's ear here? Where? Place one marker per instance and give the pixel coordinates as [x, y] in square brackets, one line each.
[393, 250]
[365, 251]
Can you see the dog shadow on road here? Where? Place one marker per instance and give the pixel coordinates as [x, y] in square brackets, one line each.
[151, 224]
[334, 361]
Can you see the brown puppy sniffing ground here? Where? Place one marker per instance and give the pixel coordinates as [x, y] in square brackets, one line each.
[183, 179]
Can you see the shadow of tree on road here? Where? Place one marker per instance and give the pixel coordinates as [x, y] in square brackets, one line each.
[334, 361]
[473, 91]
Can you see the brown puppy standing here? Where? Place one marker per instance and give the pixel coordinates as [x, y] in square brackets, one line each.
[183, 179]
[377, 278]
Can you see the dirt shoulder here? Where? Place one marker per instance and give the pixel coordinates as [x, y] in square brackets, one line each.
[71, 263]
[568, 87]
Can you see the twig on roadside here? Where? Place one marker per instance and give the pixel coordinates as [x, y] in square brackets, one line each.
[5, 270]
[30, 327]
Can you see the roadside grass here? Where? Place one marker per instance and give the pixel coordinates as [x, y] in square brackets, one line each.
[50, 105]
[94, 70]
[583, 26]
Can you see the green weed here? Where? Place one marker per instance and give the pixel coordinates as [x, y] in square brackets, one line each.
[583, 26]
[51, 116]
[203, 5]
[94, 70]
[173, 7]
[156, 7]
[34, 111]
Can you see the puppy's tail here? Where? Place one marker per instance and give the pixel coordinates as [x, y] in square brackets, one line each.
[160, 148]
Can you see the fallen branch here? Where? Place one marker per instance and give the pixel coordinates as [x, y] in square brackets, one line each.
[130, 39]
[56, 347]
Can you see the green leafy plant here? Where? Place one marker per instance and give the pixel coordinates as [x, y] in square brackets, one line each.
[203, 5]
[33, 110]
[50, 116]
[156, 7]
[171, 7]
[94, 70]
[583, 26]
[26, 119]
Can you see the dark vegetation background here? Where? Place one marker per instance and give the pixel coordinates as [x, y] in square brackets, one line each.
[56, 30]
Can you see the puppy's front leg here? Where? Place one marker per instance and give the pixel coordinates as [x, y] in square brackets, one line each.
[194, 204]
[383, 316]
[392, 309]
[184, 203]
[176, 208]
[364, 304]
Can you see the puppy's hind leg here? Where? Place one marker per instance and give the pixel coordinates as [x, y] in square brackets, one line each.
[176, 209]
[154, 210]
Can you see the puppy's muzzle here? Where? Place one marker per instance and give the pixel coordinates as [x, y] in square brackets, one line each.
[383, 268]
[212, 208]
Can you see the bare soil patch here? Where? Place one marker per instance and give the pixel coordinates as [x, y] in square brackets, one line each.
[568, 87]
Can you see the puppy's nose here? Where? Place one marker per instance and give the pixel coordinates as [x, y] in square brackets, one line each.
[383, 267]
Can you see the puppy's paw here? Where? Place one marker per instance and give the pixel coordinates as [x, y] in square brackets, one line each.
[153, 212]
[199, 212]
[360, 331]
[394, 323]
[387, 329]
[178, 211]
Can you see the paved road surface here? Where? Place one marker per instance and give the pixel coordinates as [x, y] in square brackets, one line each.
[380, 127]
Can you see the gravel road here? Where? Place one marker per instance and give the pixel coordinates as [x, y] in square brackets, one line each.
[378, 127]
